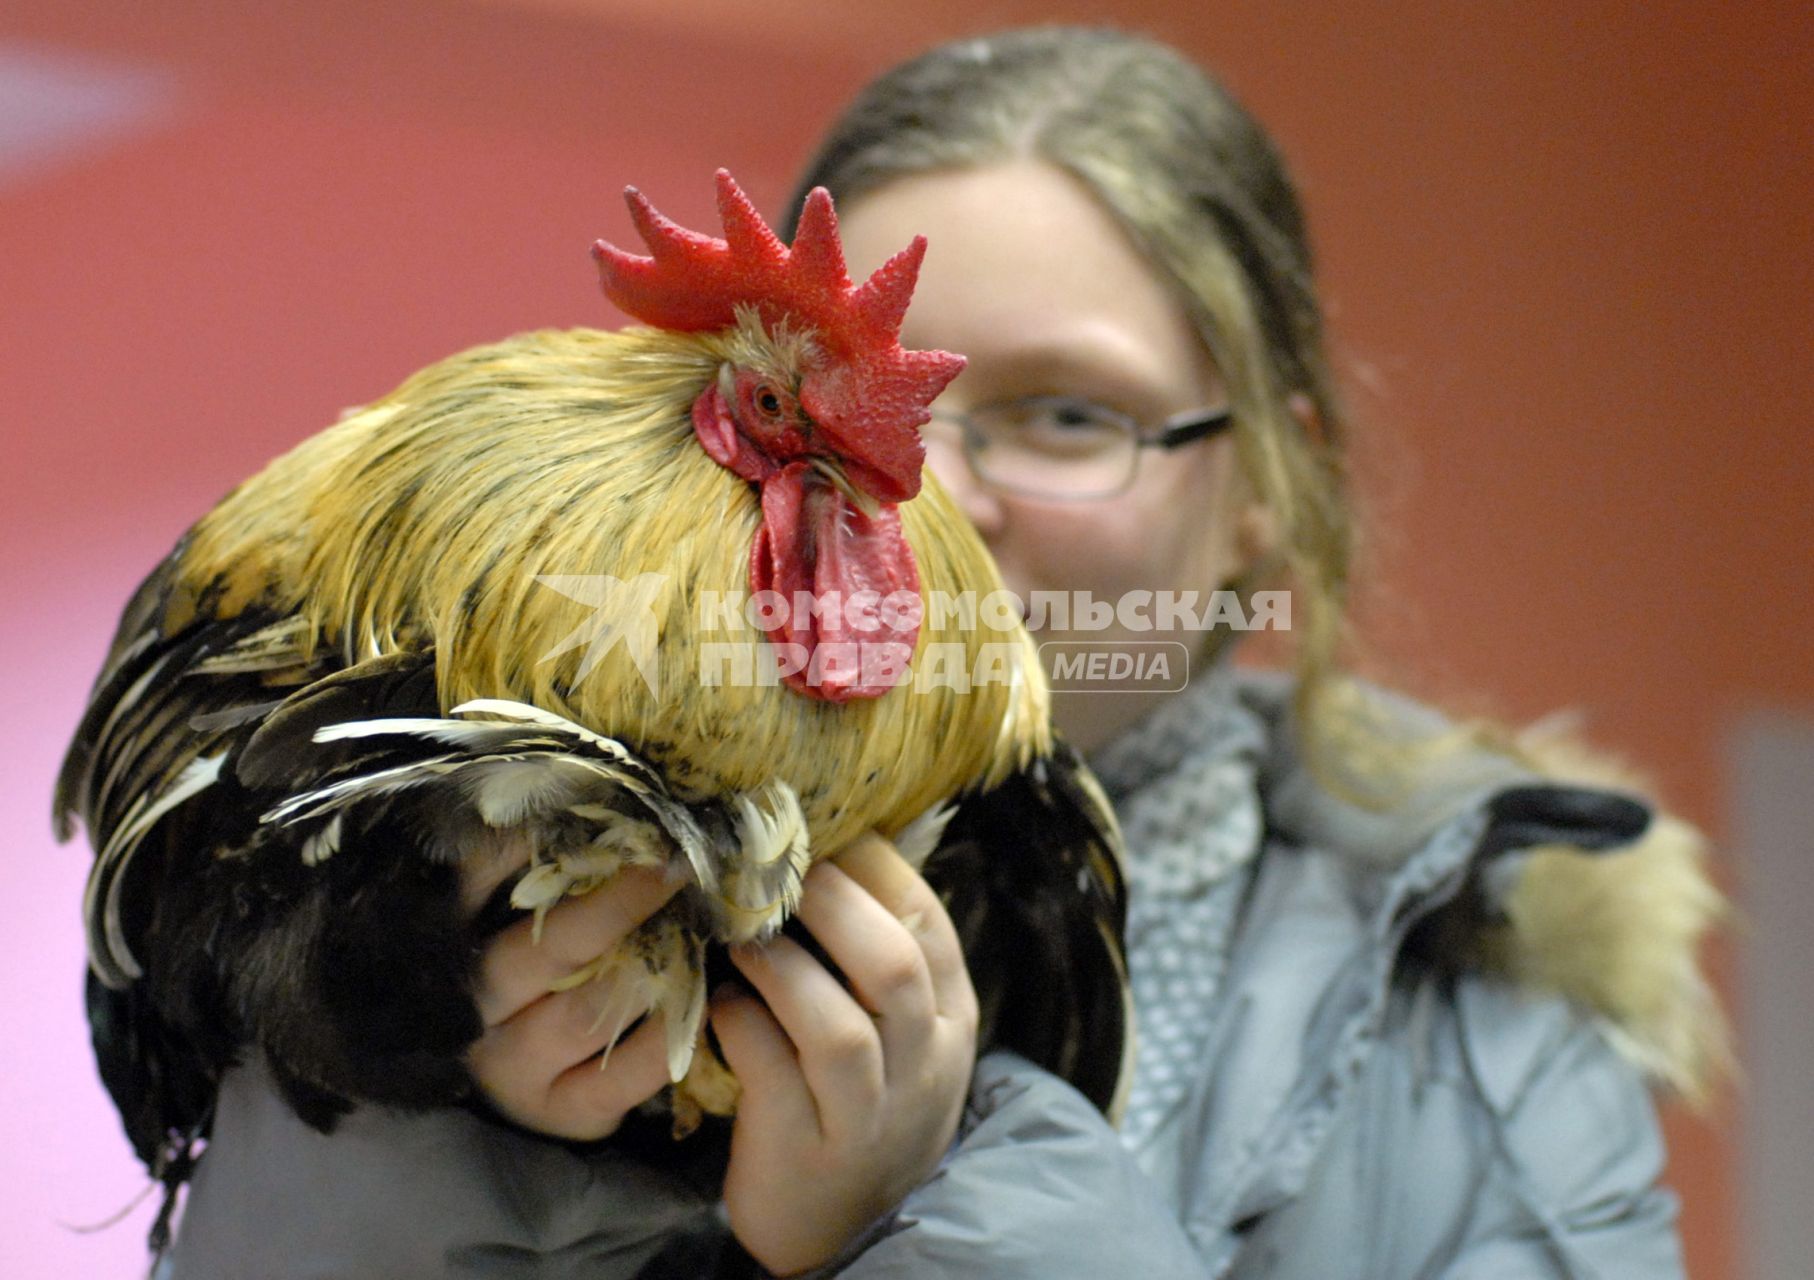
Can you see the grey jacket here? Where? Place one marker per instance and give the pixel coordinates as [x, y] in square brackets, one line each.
[1395, 1087]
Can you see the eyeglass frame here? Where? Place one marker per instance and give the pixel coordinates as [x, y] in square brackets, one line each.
[1174, 432]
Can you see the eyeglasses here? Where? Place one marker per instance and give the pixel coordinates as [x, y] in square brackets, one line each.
[1065, 447]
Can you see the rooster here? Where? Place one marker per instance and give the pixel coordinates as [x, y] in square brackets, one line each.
[476, 619]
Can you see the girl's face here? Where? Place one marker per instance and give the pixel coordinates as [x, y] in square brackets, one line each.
[1035, 283]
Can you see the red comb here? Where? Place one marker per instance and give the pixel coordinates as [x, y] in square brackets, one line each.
[692, 281]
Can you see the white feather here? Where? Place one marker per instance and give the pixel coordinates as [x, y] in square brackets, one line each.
[312, 804]
[508, 710]
[763, 881]
[770, 824]
[279, 645]
[114, 961]
[458, 732]
[683, 999]
[321, 846]
[130, 698]
[658, 968]
[622, 841]
[695, 845]
[508, 791]
[916, 841]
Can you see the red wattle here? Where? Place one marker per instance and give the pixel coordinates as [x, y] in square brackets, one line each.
[815, 542]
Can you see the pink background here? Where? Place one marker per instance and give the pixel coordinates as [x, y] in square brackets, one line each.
[1565, 250]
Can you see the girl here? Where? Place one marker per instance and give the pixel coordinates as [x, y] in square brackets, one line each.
[1400, 990]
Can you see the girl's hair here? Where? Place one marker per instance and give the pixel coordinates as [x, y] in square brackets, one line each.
[1202, 191]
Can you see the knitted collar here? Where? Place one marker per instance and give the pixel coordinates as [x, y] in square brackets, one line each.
[1183, 782]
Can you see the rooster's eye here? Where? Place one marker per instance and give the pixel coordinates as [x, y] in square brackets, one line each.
[768, 401]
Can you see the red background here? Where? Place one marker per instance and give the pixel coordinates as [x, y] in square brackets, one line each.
[1564, 247]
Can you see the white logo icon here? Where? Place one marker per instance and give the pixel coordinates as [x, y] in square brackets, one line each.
[620, 611]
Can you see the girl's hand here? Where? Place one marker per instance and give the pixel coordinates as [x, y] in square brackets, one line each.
[850, 1096]
[537, 1059]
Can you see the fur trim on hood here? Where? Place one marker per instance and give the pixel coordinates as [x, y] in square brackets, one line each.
[1581, 886]
[1620, 931]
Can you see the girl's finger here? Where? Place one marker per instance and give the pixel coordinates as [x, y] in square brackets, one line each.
[887, 969]
[516, 1059]
[516, 969]
[891, 880]
[587, 1101]
[483, 870]
[839, 1047]
[775, 1095]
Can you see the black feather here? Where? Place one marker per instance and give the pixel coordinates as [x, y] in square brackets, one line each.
[283, 746]
[1030, 874]
[352, 977]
